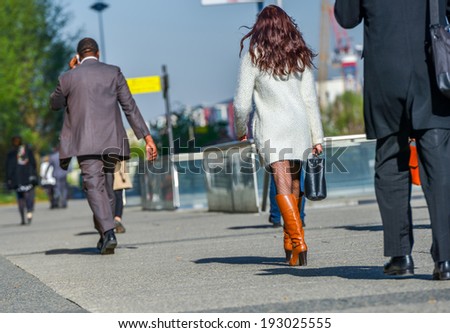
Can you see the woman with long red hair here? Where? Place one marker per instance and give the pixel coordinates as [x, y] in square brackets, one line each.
[276, 76]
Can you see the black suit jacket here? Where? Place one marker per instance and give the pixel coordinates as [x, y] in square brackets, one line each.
[398, 74]
[92, 94]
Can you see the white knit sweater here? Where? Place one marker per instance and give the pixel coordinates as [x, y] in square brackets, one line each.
[286, 123]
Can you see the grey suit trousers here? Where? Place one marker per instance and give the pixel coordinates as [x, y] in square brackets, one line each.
[98, 176]
[393, 189]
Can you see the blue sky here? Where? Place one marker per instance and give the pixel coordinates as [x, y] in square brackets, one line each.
[199, 44]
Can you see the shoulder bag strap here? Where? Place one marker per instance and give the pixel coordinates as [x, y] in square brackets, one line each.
[434, 12]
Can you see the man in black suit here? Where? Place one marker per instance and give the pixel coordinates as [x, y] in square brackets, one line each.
[92, 94]
[401, 100]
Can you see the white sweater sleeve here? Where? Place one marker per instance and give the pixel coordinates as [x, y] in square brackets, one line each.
[312, 106]
[243, 101]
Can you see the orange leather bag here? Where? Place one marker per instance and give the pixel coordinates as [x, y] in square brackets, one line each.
[414, 164]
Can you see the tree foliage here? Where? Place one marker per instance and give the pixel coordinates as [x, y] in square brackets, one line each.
[344, 116]
[33, 53]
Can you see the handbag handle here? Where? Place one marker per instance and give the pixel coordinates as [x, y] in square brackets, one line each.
[319, 155]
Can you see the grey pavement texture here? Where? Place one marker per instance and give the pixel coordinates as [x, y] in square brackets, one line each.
[197, 261]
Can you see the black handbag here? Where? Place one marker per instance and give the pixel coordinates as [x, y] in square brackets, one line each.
[440, 48]
[315, 184]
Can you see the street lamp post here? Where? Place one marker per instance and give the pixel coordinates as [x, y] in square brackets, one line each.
[259, 6]
[100, 7]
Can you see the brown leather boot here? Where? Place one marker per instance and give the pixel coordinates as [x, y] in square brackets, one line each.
[287, 245]
[288, 205]
[287, 239]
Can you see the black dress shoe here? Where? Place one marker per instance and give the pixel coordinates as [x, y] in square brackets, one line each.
[441, 270]
[109, 242]
[403, 265]
[100, 243]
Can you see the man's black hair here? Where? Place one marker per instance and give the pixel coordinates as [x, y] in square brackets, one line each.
[87, 45]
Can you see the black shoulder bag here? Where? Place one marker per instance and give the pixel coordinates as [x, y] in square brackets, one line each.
[440, 46]
[315, 185]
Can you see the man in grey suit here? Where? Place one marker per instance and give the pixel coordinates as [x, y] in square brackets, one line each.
[92, 94]
[402, 101]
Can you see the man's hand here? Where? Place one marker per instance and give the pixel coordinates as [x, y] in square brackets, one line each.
[150, 147]
[73, 62]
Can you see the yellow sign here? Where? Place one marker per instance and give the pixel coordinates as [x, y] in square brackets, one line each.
[146, 84]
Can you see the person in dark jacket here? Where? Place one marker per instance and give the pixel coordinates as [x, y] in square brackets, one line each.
[21, 176]
[401, 100]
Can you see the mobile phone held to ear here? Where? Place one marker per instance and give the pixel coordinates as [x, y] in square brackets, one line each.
[74, 61]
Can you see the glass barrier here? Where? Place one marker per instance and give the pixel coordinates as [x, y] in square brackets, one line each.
[158, 184]
[349, 164]
[229, 177]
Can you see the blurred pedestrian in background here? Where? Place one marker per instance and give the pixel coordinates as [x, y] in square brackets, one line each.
[274, 211]
[47, 180]
[21, 176]
[61, 190]
[276, 75]
[121, 183]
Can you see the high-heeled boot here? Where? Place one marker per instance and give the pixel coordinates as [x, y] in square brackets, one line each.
[293, 226]
[299, 205]
[287, 240]
[287, 245]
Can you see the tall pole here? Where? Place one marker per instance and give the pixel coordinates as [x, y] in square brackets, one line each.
[173, 170]
[100, 7]
[324, 52]
[280, 3]
[102, 36]
[165, 78]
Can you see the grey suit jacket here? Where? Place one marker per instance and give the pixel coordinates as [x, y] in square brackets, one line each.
[399, 76]
[91, 94]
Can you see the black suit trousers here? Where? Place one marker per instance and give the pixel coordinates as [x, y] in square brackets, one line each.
[393, 189]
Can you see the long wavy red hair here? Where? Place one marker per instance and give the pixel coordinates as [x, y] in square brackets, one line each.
[276, 45]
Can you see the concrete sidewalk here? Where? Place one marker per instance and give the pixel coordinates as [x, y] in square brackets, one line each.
[196, 261]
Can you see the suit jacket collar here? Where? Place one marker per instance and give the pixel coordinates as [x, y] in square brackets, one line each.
[89, 59]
